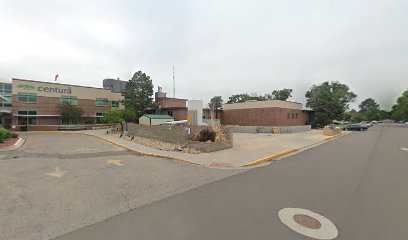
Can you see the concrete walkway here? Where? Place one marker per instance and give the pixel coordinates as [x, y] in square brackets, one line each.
[249, 149]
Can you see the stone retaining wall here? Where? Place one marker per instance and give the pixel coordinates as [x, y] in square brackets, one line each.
[178, 135]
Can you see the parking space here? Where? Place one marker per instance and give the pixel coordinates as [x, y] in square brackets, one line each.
[57, 183]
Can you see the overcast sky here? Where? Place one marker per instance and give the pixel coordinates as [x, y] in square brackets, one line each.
[218, 47]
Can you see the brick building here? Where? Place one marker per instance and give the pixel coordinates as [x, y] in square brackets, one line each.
[266, 113]
[36, 104]
[175, 107]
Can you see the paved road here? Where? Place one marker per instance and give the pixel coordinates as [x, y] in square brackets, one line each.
[58, 183]
[359, 182]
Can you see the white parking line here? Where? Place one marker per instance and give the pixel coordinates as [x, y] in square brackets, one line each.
[404, 149]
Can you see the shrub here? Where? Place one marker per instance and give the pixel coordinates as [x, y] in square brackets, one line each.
[89, 120]
[5, 133]
[1, 138]
[14, 135]
[206, 134]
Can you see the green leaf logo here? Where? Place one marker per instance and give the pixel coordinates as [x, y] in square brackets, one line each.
[26, 86]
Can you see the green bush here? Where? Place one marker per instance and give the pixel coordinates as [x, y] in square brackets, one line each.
[89, 120]
[14, 135]
[5, 133]
[1, 138]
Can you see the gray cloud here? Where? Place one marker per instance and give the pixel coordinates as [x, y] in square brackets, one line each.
[217, 47]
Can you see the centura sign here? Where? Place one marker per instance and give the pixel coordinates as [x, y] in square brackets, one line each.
[46, 89]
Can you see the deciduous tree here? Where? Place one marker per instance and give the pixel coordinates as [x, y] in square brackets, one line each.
[69, 113]
[400, 109]
[330, 100]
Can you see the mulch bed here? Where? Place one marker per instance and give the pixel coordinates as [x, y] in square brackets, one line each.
[8, 142]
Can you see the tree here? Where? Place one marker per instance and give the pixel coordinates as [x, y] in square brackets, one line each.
[370, 109]
[399, 111]
[138, 94]
[69, 113]
[244, 97]
[384, 114]
[216, 102]
[282, 95]
[238, 98]
[330, 100]
[119, 116]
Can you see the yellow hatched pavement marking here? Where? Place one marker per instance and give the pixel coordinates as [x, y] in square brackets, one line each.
[115, 162]
[56, 173]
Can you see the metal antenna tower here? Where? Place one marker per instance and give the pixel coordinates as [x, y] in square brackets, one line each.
[174, 84]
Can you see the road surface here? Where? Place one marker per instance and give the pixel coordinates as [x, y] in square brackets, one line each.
[359, 182]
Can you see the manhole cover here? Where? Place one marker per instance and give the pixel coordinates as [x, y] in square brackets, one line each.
[308, 223]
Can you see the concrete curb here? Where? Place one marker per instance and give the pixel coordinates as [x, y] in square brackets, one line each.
[20, 142]
[270, 158]
[144, 153]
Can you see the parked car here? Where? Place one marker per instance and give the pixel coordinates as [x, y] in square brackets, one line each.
[366, 124]
[356, 127]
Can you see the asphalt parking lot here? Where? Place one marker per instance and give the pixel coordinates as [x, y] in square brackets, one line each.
[56, 183]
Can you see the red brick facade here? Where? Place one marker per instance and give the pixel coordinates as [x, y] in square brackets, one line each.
[50, 106]
[273, 116]
[172, 103]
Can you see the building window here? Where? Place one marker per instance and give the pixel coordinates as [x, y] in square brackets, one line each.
[7, 88]
[27, 117]
[99, 116]
[27, 97]
[296, 115]
[101, 102]
[293, 115]
[73, 100]
[288, 115]
[170, 113]
[115, 104]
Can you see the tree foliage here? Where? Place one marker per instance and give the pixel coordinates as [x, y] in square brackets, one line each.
[216, 102]
[282, 94]
[119, 116]
[330, 100]
[400, 109]
[138, 94]
[370, 109]
[69, 113]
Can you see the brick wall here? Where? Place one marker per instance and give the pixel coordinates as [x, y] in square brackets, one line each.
[172, 102]
[264, 117]
[50, 106]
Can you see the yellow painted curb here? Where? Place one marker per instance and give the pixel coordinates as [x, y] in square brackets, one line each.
[335, 136]
[269, 158]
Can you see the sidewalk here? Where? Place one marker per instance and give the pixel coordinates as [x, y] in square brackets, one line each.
[249, 149]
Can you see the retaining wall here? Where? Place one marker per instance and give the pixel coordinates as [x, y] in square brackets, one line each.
[179, 135]
[263, 129]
